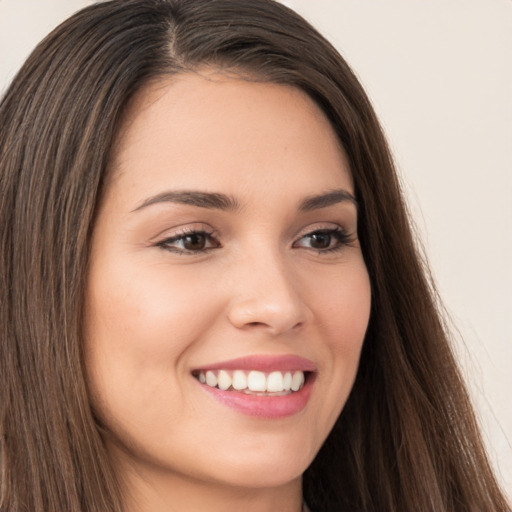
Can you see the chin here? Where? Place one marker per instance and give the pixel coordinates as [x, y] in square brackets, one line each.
[270, 476]
[266, 468]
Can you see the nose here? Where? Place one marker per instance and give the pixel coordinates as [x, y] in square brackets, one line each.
[265, 296]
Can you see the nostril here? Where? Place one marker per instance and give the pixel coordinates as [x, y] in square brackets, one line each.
[273, 312]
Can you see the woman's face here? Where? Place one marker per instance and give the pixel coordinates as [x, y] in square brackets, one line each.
[225, 250]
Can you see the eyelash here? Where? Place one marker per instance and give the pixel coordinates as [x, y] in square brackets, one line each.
[208, 236]
[338, 234]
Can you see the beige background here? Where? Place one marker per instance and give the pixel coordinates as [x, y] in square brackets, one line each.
[440, 76]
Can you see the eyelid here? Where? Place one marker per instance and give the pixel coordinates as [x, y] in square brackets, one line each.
[323, 226]
[343, 236]
[163, 241]
[184, 229]
[339, 232]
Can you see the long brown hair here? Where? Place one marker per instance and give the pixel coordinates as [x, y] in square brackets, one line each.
[406, 439]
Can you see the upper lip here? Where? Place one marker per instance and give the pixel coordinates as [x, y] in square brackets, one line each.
[264, 363]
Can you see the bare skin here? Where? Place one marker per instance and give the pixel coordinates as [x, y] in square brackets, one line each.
[175, 285]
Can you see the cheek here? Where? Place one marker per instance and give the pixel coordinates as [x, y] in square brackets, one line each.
[153, 313]
[342, 307]
[342, 312]
[138, 332]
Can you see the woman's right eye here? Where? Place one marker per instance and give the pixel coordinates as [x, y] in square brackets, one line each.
[190, 242]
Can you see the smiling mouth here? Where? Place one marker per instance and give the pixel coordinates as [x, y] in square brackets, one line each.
[254, 382]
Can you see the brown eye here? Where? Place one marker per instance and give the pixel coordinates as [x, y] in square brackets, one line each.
[189, 243]
[320, 240]
[324, 240]
[194, 242]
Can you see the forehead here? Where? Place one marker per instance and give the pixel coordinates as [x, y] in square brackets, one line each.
[209, 130]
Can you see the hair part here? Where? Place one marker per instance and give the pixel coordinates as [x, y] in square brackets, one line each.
[406, 439]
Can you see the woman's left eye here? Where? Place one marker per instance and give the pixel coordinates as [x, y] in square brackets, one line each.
[324, 240]
[190, 242]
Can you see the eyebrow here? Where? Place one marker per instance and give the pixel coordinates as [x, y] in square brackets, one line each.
[218, 201]
[327, 199]
[212, 200]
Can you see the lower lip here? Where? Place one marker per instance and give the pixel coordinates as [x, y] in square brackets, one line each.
[269, 407]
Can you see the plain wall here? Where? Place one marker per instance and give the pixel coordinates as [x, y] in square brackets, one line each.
[440, 76]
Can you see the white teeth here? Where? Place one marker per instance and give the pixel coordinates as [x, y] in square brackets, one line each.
[239, 380]
[287, 381]
[275, 382]
[254, 381]
[297, 381]
[223, 380]
[211, 379]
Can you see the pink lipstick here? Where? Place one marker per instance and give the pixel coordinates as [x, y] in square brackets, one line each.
[261, 386]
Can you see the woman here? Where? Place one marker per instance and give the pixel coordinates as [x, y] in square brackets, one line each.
[212, 295]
